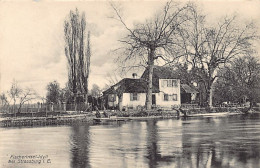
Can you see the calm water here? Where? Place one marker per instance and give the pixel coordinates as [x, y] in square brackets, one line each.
[232, 141]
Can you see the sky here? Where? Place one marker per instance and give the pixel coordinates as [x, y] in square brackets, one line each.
[32, 36]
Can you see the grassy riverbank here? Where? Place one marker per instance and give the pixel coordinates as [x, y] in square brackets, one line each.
[63, 118]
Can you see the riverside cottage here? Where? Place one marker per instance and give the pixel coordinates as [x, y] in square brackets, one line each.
[130, 93]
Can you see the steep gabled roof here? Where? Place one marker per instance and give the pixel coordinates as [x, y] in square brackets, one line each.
[161, 72]
[130, 85]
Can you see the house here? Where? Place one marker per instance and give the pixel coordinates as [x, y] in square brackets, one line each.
[130, 93]
[127, 93]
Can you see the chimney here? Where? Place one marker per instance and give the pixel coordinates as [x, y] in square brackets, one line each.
[134, 75]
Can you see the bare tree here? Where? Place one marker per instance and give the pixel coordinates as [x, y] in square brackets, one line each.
[208, 47]
[14, 92]
[156, 38]
[27, 95]
[112, 79]
[77, 53]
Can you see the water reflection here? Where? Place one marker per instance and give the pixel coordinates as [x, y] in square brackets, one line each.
[152, 149]
[225, 142]
[80, 141]
[193, 143]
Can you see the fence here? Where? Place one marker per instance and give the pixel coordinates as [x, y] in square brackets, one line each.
[34, 108]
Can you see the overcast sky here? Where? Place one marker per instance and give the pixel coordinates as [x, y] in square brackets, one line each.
[32, 44]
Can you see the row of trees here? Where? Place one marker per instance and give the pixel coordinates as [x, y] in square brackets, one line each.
[183, 33]
[239, 82]
[58, 95]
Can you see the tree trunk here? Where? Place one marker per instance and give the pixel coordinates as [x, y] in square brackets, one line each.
[210, 97]
[210, 90]
[75, 102]
[150, 79]
[14, 109]
[250, 105]
[19, 109]
[86, 101]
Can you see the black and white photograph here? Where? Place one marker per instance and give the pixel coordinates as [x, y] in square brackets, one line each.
[129, 84]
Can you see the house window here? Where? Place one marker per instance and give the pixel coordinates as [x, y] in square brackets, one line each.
[164, 83]
[174, 97]
[166, 97]
[174, 83]
[169, 83]
[133, 96]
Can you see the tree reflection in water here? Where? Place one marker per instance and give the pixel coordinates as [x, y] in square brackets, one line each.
[228, 142]
[80, 141]
[154, 155]
[152, 138]
[193, 143]
[225, 142]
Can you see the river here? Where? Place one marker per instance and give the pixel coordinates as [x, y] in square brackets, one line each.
[232, 141]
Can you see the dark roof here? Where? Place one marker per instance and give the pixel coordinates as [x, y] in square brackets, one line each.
[188, 89]
[130, 85]
[162, 72]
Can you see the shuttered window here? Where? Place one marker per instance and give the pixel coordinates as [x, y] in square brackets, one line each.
[133, 96]
[169, 83]
[174, 83]
[164, 83]
[166, 97]
[172, 97]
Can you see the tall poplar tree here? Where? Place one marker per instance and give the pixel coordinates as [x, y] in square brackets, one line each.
[77, 51]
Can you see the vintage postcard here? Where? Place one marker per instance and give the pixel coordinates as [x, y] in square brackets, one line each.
[129, 84]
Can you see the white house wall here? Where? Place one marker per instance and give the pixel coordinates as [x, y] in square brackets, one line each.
[128, 103]
[160, 101]
[159, 97]
[168, 90]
